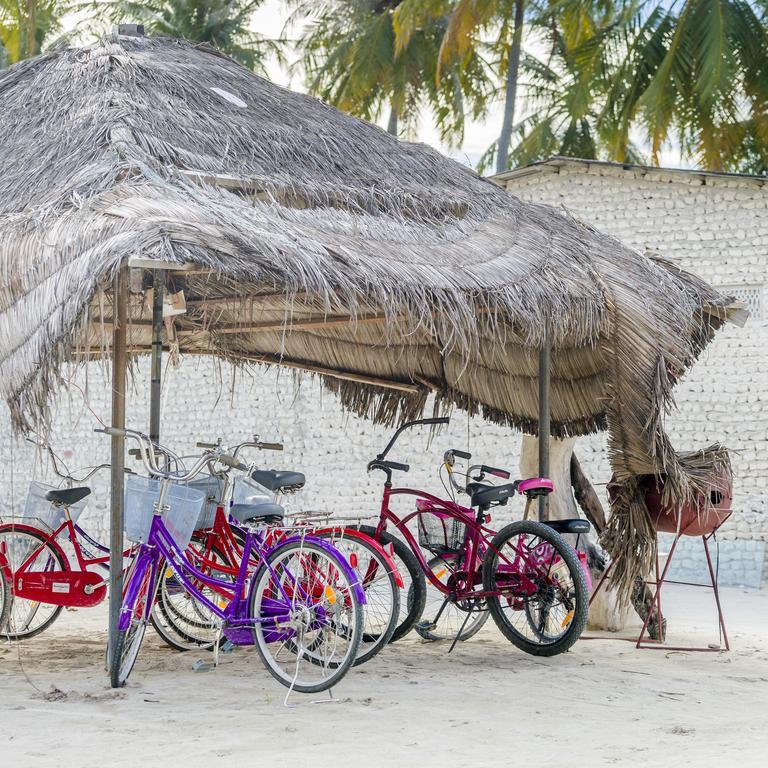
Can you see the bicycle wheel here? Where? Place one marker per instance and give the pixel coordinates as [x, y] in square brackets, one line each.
[308, 620]
[24, 545]
[180, 619]
[134, 615]
[541, 599]
[413, 593]
[5, 599]
[441, 620]
[382, 593]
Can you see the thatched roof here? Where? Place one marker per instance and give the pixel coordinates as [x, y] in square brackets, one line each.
[319, 241]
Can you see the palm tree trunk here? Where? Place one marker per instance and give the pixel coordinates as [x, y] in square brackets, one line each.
[392, 123]
[31, 27]
[502, 155]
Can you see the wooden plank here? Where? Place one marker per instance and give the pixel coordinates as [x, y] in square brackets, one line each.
[359, 378]
[266, 359]
[318, 321]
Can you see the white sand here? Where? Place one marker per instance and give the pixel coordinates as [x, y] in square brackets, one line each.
[487, 704]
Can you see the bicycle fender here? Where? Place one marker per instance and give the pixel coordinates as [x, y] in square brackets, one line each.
[353, 533]
[348, 572]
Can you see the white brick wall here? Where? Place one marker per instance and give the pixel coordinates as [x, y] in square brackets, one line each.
[718, 230]
[715, 227]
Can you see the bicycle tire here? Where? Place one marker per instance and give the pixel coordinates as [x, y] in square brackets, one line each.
[5, 599]
[414, 588]
[259, 596]
[129, 640]
[54, 551]
[576, 622]
[371, 642]
[173, 629]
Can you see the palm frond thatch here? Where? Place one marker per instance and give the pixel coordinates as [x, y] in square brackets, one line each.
[321, 242]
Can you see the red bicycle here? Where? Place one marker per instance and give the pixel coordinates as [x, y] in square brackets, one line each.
[43, 579]
[526, 575]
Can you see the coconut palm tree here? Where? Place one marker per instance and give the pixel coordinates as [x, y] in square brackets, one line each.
[350, 58]
[224, 24]
[473, 25]
[697, 71]
[567, 87]
[26, 26]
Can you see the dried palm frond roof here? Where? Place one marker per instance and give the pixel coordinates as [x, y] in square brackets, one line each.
[316, 240]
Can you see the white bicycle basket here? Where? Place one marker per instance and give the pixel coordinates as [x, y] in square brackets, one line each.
[185, 505]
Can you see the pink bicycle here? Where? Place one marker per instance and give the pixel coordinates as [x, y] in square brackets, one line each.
[526, 576]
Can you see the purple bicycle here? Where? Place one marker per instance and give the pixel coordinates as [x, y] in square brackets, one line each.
[302, 609]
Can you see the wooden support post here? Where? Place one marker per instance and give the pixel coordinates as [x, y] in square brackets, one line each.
[119, 366]
[544, 415]
[158, 287]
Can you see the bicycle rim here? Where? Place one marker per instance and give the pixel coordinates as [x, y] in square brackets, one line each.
[27, 618]
[308, 620]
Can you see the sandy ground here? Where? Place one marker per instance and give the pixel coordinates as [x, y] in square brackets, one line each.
[487, 704]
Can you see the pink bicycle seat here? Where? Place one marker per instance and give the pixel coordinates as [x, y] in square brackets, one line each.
[536, 485]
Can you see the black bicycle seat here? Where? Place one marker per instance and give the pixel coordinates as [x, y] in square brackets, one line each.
[273, 480]
[65, 497]
[572, 525]
[265, 513]
[482, 495]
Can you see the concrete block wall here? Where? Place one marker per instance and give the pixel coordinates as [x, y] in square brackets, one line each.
[716, 227]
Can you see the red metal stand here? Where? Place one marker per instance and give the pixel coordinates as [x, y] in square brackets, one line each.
[661, 579]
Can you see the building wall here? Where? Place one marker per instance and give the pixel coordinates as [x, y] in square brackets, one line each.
[717, 228]
[718, 231]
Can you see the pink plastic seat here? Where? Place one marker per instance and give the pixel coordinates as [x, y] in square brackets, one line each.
[535, 485]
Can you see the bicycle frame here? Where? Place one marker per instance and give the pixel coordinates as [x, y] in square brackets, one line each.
[222, 533]
[476, 543]
[162, 550]
[72, 588]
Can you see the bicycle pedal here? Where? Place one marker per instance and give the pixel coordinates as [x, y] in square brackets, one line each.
[202, 666]
[227, 647]
[427, 626]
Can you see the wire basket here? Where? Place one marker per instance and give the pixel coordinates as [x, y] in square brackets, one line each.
[184, 507]
[438, 531]
[41, 513]
[213, 488]
[245, 490]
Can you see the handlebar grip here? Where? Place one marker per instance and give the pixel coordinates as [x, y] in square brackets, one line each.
[396, 465]
[230, 461]
[502, 473]
[461, 454]
[435, 420]
[113, 431]
[271, 446]
[206, 445]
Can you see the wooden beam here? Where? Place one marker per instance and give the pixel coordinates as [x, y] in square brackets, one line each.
[266, 359]
[359, 378]
[318, 321]
[139, 262]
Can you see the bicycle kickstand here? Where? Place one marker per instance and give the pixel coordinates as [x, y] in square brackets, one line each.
[458, 634]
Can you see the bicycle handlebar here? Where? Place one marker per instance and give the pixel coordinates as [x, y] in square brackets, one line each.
[231, 461]
[408, 425]
[148, 455]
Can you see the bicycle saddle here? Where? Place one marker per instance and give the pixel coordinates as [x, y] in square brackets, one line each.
[264, 513]
[273, 480]
[574, 525]
[65, 497]
[535, 486]
[482, 495]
